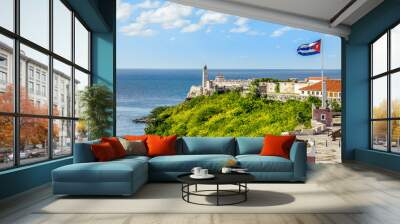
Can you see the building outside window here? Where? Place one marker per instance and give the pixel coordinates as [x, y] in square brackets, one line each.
[385, 95]
[30, 72]
[44, 77]
[43, 90]
[38, 89]
[30, 87]
[3, 78]
[3, 61]
[57, 131]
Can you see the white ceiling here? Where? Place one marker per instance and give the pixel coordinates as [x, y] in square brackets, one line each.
[325, 16]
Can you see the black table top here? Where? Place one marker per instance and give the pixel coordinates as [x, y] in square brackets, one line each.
[220, 178]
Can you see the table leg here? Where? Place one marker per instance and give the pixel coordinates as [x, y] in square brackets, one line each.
[245, 193]
[217, 194]
[195, 188]
[188, 190]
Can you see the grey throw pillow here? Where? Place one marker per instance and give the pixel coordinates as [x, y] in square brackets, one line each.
[137, 148]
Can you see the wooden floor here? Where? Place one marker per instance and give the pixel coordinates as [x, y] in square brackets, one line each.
[379, 189]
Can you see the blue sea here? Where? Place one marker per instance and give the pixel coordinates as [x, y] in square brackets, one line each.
[141, 90]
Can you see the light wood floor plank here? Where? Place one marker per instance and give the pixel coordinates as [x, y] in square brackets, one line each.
[376, 190]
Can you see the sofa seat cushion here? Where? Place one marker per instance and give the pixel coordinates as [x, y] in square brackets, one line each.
[257, 163]
[185, 163]
[112, 171]
[133, 157]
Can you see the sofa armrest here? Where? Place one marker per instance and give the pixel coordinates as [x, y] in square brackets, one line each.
[298, 155]
[83, 152]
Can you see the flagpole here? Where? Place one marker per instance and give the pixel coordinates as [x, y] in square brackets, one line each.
[323, 83]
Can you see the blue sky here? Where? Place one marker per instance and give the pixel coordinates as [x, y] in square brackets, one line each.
[161, 34]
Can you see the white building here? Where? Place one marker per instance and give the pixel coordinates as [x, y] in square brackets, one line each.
[34, 81]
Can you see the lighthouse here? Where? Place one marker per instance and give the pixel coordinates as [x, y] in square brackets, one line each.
[204, 77]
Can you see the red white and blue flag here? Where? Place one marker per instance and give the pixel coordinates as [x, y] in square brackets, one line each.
[309, 49]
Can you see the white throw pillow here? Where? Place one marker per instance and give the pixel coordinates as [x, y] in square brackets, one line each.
[137, 147]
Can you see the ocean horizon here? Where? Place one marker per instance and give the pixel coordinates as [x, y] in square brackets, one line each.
[141, 90]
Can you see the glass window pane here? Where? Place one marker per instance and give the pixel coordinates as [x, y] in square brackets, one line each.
[379, 135]
[62, 138]
[81, 131]
[81, 82]
[81, 45]
[62, 89]
[395, 47]
[395, 94]
[33, 140]
[62, 29]
[379, 98]
[6, 74]
[7, 14]
[34, 72]
[6, 142]
[379, 56]
[395, 136]
[35, 21]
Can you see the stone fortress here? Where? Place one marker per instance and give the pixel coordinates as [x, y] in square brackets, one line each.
[271, 89]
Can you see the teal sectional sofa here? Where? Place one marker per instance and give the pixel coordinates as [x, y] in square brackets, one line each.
[125, 176]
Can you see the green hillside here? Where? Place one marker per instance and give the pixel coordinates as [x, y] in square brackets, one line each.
[229, 114]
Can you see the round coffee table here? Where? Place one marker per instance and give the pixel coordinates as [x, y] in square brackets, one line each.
[238, 179]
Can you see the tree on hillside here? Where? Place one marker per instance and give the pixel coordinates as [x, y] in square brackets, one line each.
[335, 106]
[314, 100]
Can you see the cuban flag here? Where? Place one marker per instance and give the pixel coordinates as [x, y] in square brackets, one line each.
[309, 49]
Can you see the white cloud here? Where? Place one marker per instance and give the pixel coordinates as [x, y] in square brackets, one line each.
[148, 4]
[242, 26]
[210, 17]
[191, 28]
[207, 18]
[169, 16]
[172, 38]
[281, 31]
[137, 29]
[124, 10]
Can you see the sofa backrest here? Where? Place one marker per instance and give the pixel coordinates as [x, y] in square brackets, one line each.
[83, 152]
[206, 145]
[190, 146]
[249, 145]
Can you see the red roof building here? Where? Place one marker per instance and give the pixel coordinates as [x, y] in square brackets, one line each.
[333, 88]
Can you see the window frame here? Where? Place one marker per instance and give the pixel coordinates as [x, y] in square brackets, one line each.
[16, 114]
[388, 74]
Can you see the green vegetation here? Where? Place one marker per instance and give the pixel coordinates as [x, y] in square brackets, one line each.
[96, 102]
[229, 114]
[336, 107]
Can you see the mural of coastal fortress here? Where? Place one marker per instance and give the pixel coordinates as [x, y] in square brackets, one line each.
[322, 130]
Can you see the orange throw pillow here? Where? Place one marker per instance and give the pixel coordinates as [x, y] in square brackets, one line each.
[277, 145]
[103, 152]
[161, 145]
[136, 137]
[116, 145]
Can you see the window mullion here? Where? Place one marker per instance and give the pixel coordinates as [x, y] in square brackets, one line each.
[16, 85]
[50, 81]
[389, 101]
[73, 81]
